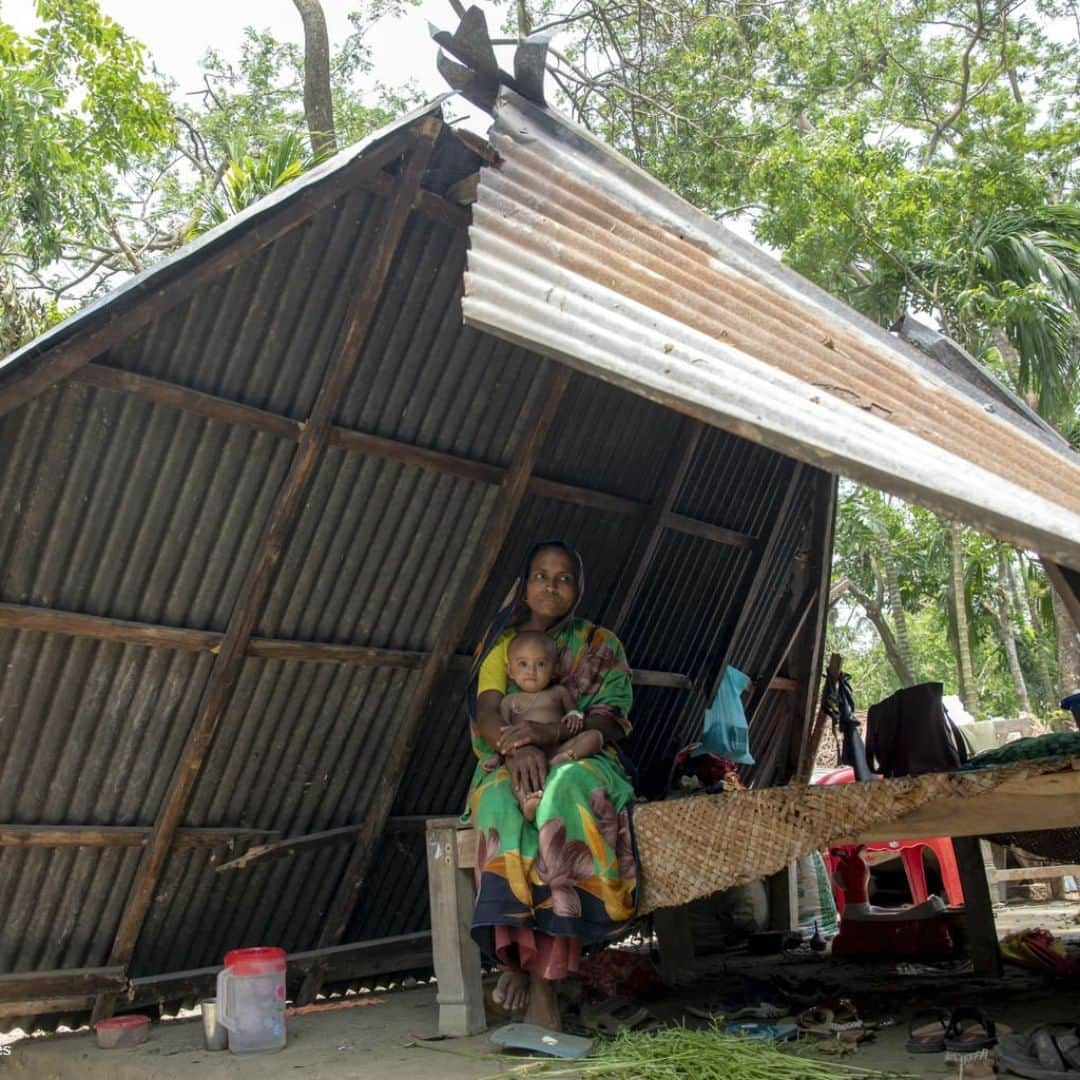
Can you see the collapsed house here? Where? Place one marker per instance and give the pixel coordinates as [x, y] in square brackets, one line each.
[257, 505]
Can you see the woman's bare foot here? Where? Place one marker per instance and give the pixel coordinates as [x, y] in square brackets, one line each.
[580, 746]
[543, 1007]
[530, 804]
[512, 991]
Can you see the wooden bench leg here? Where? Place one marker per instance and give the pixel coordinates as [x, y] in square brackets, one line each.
[675, 943]
[978, 906]
[456, 955]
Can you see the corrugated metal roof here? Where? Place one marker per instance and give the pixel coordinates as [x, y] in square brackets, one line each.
[116, 506]
[592, 261]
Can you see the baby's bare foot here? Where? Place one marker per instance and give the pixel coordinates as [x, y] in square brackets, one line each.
[530, 804]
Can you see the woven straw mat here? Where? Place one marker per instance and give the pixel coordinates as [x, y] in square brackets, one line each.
[692, 847]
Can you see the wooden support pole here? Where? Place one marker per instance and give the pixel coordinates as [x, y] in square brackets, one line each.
[504, 508]
[226, 670]
[33, 374]
[636, 566]
[978, 908]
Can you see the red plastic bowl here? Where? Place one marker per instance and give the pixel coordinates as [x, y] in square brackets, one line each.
[120, 1031]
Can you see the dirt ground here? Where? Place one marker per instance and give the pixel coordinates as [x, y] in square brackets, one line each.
[380, 1039]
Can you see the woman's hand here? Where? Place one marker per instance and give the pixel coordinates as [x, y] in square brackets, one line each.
[525, 733]
[528, 769]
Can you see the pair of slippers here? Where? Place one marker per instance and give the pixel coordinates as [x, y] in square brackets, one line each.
[1046, 1052]
[841, 1021]
[961, 1032]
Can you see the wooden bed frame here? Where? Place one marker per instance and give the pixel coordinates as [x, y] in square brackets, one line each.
[1046, 801]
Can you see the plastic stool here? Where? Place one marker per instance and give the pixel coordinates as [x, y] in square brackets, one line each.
[911, 854]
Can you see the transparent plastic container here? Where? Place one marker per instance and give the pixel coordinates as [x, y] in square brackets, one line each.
[119, 1032]
[251, 1000]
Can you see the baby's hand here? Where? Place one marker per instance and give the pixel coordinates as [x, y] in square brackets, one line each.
[574, 722]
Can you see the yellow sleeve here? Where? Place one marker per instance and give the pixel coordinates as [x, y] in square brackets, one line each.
[492, 674]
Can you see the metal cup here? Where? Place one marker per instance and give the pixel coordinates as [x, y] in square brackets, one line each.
[215, 1034]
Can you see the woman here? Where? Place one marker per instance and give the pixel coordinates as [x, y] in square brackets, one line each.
[569, 878]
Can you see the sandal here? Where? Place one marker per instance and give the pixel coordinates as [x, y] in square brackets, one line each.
[1046, 1052]
[970, 1031]
[615, 1015]
[927, 1031]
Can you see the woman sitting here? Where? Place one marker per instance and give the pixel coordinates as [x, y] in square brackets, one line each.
[568, 878]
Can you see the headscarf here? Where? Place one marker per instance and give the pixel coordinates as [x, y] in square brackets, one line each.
[513, 610]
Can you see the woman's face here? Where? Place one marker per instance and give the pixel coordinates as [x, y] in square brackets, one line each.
[551, 589]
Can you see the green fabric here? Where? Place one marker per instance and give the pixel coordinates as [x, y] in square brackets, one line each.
[1056, 744]
[572, 871]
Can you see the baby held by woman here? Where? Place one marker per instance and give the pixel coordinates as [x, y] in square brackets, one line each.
[532, 661]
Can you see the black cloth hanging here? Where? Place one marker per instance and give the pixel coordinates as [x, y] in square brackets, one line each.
[911, 733]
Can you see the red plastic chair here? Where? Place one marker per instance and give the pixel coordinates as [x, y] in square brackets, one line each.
[911, 854]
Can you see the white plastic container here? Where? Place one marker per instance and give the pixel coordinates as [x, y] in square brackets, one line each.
[251, 1000]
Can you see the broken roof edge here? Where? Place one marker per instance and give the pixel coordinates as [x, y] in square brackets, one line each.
[13, 367]
[635, 188]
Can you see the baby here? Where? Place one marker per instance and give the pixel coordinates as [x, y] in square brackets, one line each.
[532, 658]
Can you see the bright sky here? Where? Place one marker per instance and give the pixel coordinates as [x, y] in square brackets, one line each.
[177, 35]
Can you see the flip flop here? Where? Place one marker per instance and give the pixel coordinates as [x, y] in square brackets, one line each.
[540, 1041]
[753, 1029]
[927, 1030]
[615, 1015]
[816, 1020]
[970, 1032]
[1037, 1058]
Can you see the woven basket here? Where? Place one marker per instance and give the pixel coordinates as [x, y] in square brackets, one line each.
[692, 847]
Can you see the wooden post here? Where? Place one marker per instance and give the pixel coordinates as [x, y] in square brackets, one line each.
[783, 888]
[287, 503]
[504, 509]
[455, 954]
[978, 908]
[1066, 583]
[675, 941]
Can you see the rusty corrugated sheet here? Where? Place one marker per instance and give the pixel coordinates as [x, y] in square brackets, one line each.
[592, 261]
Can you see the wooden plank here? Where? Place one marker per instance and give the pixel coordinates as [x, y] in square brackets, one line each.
[50, 621]
[635, 567]
[117, 836]
[978, 908]
[1047, 801]
[354, 960]
[26, 985]
[783, 684]
[290, 845]
[454, 953]
[45, 1006]
[193, 401]
[358, 442]
[716, 533]
[672, 679]
[504, 508]
[350, 655]
[365, 296]
[1035, 873]
[173, 284]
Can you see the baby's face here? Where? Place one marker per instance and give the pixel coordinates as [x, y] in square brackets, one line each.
[532, 667]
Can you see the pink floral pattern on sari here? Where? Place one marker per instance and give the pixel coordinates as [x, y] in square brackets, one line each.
[562, 864]
[615, 829]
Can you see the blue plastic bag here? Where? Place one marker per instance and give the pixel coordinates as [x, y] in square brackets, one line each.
[726, 732]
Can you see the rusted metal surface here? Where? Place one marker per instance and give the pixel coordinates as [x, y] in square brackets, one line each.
[590, 260]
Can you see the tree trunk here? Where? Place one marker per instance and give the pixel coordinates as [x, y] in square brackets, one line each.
[1068, 641]
[965, 667]
[1003, 621]
[1026, 616]
[873, 609]
[899, 617]
[318, 103]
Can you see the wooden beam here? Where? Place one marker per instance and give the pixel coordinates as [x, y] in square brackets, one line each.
[26, 985]
[978, 908]
[119, 836]
[290, 845]
[355, 960]
[1035, 873]
[504, 508]
[635, 567]
[169, 286]
[44, 1006]
[49, 621]
[364, 300]
[232, 412]
[314, 652]
[716, 533]
[774, 681]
